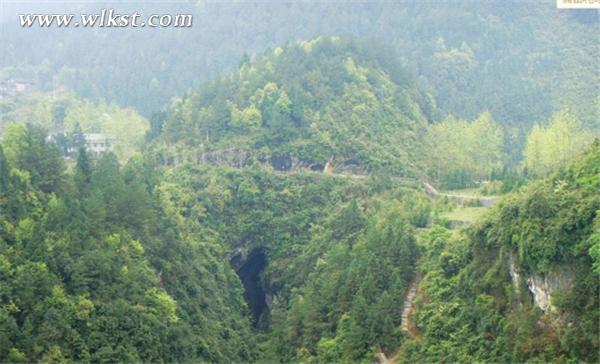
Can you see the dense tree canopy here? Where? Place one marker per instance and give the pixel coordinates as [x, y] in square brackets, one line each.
[310, 101]
[94, 270]
[522, 62]
[474, 308]
[554, 145]
[65, 114]
[277, 214]
[460, 153]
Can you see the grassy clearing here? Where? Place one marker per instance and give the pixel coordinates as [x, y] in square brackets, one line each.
[466, 214]
[474, 191]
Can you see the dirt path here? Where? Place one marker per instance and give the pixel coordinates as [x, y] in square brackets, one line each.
[406, 324]
[381, 358]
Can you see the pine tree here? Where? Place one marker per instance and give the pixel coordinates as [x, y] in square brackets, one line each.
[83, 171]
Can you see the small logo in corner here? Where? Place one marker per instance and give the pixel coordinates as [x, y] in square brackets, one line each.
[578, 4]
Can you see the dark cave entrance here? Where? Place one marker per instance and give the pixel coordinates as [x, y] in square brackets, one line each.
[254, 293]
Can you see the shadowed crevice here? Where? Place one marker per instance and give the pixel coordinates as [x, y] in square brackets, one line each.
[254, 293]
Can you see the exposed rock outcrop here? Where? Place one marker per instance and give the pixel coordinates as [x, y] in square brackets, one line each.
[514, 274]
[232, 157]
[279, 161]
[542, 286]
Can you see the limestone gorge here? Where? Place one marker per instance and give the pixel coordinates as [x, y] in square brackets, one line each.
[302, 182]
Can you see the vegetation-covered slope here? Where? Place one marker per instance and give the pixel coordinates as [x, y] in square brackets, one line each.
[334, 278]
[123, 264]
[138, 262]
[65, 114]
[305, 103]
[95, 269]
[337, 257]
[521, 60]
[337, 251]
[522, 283]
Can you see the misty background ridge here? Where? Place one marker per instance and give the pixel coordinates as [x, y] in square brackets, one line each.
[479, 46]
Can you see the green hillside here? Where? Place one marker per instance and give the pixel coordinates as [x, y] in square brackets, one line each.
[94, 269]
[303, 105]
[286, 212]
[478, 301]
[521, 60]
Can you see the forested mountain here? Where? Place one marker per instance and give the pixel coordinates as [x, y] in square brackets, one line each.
[337, 259]
[404, 182]
[169, 238]
[521, 284]
[521, 60]
[94, 269]
[121, 263]
[303, 105]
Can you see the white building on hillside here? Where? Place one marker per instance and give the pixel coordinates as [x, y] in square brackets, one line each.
[97, 143]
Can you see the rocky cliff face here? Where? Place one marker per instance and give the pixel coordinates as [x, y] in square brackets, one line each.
[514, 274]
[543, 286]
[240, 158]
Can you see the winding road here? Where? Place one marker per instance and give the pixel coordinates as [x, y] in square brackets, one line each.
[485, 201]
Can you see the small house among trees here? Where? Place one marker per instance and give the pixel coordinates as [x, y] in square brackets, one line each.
[69, 143]
[97, 144]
